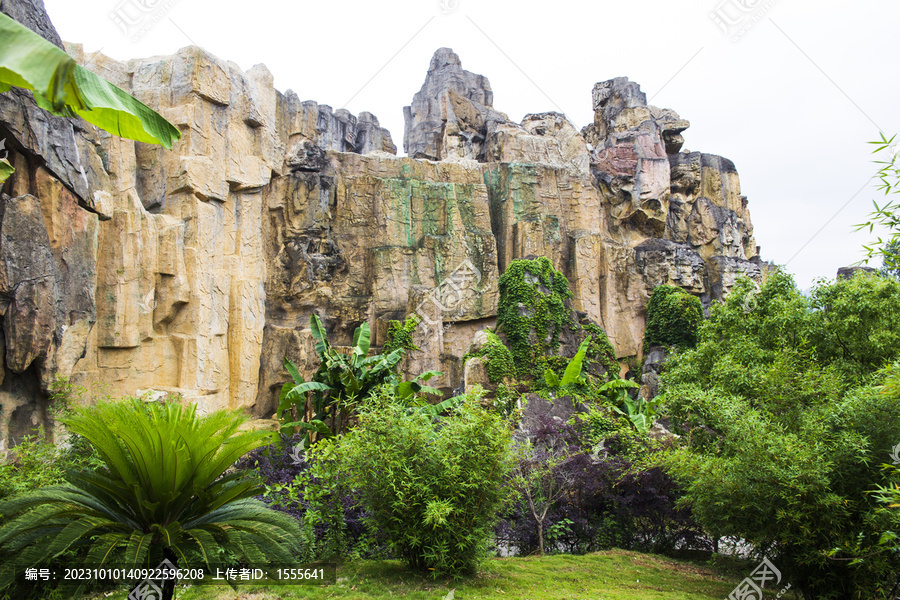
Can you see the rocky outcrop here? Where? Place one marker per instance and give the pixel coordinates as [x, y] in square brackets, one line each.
[449, 117]
[195, 271]
[850, 272]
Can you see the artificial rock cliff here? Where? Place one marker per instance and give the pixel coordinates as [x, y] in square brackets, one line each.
[195, 270]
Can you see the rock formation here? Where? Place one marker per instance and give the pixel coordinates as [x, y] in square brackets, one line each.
[194, 271]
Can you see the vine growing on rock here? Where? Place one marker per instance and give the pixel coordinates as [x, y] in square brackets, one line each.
[399, 336]
[600, 350]
[497, 358]
[673, 318]
[531, 312]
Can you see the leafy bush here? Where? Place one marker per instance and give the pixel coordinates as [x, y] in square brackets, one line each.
[854, 322]
[311, 488]
[673, 317]
[784, 429]
[432, 486]
[162, 493]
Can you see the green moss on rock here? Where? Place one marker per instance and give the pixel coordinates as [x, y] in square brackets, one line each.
[531, 312]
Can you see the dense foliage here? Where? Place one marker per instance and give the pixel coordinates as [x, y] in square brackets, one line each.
[785, 428]
[432, 486]
[399, 336]
[322, 406]
[673, 318]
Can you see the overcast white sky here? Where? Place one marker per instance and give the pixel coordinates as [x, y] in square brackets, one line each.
[792, 101]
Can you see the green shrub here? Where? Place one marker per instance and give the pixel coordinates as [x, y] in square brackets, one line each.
[434, 487]
[673, 318]
[784, 429]
[856, 322]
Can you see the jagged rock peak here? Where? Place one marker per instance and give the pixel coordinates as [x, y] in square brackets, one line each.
[448, 116]
[444, 57]
[446, 70]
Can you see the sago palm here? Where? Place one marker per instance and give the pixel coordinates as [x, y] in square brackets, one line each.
[163, 493]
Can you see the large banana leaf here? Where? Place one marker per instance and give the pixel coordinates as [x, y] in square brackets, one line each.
[551, 378]
[6, 170]
[64, 88]
[319, 334]
[573, 369]
[362, 339]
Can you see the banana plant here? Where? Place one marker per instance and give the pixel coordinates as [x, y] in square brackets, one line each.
[616, 390]
[572, 375]
[641, 413]
[406, 389]
[320, 406]
[65, 88]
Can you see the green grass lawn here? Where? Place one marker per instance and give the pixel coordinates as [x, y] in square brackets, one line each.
[613, 575]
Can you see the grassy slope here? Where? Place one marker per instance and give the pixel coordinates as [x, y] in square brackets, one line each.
[614, 575]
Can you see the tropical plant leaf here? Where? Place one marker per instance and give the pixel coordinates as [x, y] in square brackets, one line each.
[316, 426]
[428, 375]
[617, 384]
[551, 378]
[292, 370]
[362, 339]
[448, 404]
[64, 88]
[6, 170]
[295, 394]
[319, 334]
[573, 369]
[405, 389]
[640, 421]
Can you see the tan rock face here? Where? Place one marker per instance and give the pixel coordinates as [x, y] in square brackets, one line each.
[195, 271]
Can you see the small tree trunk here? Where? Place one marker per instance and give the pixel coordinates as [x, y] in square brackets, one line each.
[541, 538]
